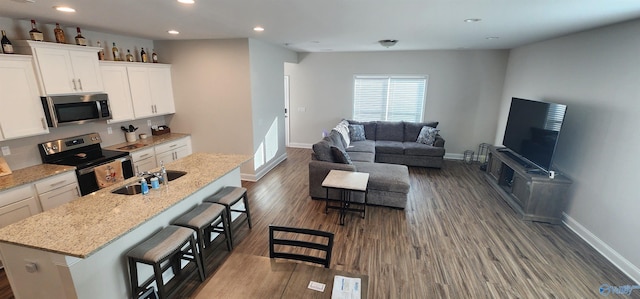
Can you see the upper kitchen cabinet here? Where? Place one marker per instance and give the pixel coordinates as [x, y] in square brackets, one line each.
[116, 85]
[21, 114]
[151, 89]
[64, 69]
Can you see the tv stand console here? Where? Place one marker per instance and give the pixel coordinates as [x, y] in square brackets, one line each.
[532, 194]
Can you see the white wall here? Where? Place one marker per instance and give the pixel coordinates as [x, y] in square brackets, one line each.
[267, 102]
[464, 91]
[212, 90]
[596, 74]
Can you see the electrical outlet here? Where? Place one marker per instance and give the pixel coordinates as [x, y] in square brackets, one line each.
[109, 130]
[149, 123]
[6, 151]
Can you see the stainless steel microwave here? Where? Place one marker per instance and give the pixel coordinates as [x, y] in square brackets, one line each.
[76, 109]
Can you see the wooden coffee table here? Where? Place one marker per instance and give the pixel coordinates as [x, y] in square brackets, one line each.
[346, 182]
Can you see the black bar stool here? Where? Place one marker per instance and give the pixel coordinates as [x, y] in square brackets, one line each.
[171, 245]
[205, 219]
[229, 196]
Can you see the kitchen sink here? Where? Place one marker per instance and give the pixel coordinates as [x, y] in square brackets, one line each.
[137, 188]
[131, 146]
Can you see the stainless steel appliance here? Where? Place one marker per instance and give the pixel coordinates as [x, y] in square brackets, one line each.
[84, 152]
[76, 109]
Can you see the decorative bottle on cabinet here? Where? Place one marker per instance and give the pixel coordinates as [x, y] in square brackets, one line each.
[80, 40]
[143, 56]
[116, 53]
[7, 47]
[35, 34]
[59, 34]
[101, 52]
[154, 57]
[129, 56]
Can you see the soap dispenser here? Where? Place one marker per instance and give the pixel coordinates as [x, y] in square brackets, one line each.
[163, 172]
[144, 186]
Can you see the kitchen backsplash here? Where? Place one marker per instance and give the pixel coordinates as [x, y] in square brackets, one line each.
[24, 151]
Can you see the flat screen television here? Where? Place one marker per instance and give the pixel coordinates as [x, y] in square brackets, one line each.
[532, 130]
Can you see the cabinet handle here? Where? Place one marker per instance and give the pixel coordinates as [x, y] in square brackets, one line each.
[144, 155]
[57, 183]
[137, 169]
[80, 83]
[74, 84]
[173, 145]
[44, 123]
[1, 131]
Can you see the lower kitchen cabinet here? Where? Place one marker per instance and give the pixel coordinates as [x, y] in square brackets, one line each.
[17, 204]
[173, 150]
[144, 160]
[57, 190]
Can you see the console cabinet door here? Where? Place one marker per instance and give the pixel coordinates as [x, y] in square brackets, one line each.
[21, 114]
[495, 167]
[520, 190]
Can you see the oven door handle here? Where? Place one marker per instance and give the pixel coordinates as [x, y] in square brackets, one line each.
[91, 169]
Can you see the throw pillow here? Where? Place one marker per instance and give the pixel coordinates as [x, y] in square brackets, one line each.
[340, 156]
[427, 135]
[322, 151]
[343, 128]
[356, 132]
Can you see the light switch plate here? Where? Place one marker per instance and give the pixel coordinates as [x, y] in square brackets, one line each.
[6, 151]
[109, 130]
[149, 123]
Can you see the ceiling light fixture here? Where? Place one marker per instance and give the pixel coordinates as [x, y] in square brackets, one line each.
[258, 29]
[492, 37]
[64, 9]
[388, 42]
[472, 20]
[187, 1]
[174, 32]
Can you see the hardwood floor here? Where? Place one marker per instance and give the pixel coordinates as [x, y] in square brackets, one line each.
[455, 239]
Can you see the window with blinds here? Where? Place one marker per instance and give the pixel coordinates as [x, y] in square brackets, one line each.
[392, 98]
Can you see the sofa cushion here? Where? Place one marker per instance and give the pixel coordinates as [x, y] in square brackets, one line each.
[391, 131]
[322, 151]
[389, 147]
[343, 129]
[362, 156]
[411, 129]
[356, 133]
[369, 128]
[367, 146]
[427, 135]
[419, 149]
[336, 139]
[340, 156]
[386, 177]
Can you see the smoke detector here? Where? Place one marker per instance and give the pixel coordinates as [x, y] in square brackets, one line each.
[388, 42]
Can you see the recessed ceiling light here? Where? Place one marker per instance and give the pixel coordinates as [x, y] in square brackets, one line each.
[64, 8]
[492, 37]
[258, 29]
[472, 20]
[187, 1]
[174, 32]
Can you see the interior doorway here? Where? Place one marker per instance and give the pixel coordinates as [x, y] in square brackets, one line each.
[286, 110]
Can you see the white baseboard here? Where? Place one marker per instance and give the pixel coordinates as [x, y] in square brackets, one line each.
[609, 253]
[300, 145]
[449, 156]
[264, 170]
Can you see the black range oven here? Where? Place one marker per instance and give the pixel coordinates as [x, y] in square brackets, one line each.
[84, 152]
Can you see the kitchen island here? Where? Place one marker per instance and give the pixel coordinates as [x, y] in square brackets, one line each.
[77, 250]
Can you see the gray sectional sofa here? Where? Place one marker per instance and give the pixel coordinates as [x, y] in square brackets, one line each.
[385, 153]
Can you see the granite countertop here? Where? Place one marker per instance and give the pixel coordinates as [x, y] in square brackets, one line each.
[83, 226]
[31, 174]
[141, 144]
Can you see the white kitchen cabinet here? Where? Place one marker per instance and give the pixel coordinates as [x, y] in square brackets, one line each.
[64, 69]
[173, 150]
[21, 114]
[116, 85]
[144, 160]
[17, 204]
[151, 90]
[57, 190]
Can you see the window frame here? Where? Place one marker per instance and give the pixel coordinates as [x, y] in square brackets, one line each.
[418, 117]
